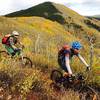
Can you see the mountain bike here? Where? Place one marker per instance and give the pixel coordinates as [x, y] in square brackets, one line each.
[77, 83]
[22, 60]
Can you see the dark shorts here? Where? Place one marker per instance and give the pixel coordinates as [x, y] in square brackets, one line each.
[62, 65]
[11, 51]
[16, 52]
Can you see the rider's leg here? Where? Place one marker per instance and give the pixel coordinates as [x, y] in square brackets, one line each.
[63, 67]
[10, 50]
[65, 71]
[17, 51]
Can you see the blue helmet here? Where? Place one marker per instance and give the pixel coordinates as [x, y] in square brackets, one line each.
[76, 45]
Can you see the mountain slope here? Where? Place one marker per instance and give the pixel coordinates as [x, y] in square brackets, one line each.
[48, 10]
[42, 38]
[79, 26]
[34, 27]
[72, 21]
[95, 17]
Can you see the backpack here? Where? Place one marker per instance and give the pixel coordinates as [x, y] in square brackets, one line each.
[61, 55]
[5, 39]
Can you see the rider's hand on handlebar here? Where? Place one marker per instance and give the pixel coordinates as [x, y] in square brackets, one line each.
[23, 46]
[88, 68]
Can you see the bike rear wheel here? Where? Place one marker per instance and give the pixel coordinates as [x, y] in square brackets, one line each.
[88, 93]
[56, 76]
[3, 55]
[25, 62]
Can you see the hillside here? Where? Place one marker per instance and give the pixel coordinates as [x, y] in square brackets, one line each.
[43, 30]
[72, 21]
[95, 17]
[41, 38]
[56, 12]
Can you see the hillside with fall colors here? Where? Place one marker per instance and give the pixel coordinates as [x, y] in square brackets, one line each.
[43, 29]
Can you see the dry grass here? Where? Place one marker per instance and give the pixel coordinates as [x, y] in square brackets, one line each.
[41, 38]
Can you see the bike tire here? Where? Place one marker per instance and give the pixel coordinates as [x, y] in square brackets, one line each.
[26, 62]
[56, 76]
[3, 54]
[88, 93]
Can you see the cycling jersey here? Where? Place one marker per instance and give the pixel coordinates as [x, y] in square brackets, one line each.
[10, 45]
[65, 55]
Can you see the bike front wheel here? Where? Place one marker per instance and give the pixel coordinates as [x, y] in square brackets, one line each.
[88, 93]
[25, 62]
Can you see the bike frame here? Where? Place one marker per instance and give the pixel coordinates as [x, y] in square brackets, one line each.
[22, 55]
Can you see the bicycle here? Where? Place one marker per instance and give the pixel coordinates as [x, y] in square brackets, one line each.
[77, 83]
[23, 60]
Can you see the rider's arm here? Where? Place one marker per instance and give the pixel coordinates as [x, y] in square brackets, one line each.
[67, 62]
[20, 44]
[82, 59]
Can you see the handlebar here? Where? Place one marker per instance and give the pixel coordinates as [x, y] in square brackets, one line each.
[22, 47]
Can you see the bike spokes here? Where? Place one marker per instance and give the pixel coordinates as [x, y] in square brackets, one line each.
[3, 55]
[56, 76]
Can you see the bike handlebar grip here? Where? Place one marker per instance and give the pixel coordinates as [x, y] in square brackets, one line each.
[88, 69]
[23, 46]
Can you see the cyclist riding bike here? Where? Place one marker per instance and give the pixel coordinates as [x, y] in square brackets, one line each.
[66, 53]
[10, 41]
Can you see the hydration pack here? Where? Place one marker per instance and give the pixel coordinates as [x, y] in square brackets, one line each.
[61, 54]
[61, 57]
[5, 40]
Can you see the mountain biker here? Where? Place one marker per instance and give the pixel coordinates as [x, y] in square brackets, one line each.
[66, 53]
[10, 41]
